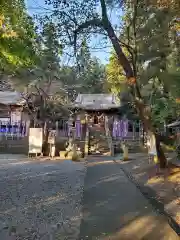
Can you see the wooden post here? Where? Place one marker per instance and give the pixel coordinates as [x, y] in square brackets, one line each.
[86, 144]
[133, 131]
[165, 129]
[108, 136]
[56, 128]
[141, 134]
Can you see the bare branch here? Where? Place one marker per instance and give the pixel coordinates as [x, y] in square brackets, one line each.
[42, 90]
[37, 89]
[90, 23]
[129, 48]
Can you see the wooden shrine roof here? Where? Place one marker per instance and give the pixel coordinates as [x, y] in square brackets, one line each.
[96, 102]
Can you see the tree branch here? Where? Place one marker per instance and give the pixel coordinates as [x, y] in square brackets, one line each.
[90, 23]
[118, 49]
[129, 48]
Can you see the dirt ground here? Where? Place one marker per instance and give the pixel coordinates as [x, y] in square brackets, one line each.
[115, 209]
[165, 183]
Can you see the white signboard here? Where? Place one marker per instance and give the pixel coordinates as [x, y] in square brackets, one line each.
[35, 140]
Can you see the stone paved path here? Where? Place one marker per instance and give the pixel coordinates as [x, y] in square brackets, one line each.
[113, 208]
[40, 199]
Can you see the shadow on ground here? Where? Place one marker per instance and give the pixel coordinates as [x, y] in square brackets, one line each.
[163, 185]
[113, 208]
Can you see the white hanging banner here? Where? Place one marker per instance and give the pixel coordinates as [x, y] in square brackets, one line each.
[52, 136]
[15, 117]
[35, 140]
[4, 120]
[151, 143]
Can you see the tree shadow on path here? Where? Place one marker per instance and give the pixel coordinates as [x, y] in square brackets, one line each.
[113, 208]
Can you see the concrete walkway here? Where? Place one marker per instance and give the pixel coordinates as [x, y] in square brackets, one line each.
[113, 208]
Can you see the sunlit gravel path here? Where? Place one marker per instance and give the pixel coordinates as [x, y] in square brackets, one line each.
[40, 199]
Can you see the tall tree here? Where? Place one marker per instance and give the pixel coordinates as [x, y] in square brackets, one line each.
[116, 79]
[45, 94]
[151, 58]
[44, 78]
[87, 75]
[91, 75]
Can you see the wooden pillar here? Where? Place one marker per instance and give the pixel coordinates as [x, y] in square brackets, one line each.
[108, 136]
[57, 132]
[70, 124]
[165, 127]
[27, 127]
[133, 131]
[86, 144]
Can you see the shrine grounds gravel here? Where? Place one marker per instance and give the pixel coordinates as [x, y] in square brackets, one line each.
[40, 199]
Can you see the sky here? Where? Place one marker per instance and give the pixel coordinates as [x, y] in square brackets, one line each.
[99, 49]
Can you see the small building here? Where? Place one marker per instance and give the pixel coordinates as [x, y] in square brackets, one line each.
[14, 119]
[14, 123]
[96, 106]
[11, 107]
[100, 112]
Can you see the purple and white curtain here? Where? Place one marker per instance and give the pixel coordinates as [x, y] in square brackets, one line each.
[16, 128]
[120, 128]
[69, 127]
[78, 128]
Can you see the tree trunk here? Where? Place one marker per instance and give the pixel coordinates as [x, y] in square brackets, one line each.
[143, 137]
[160, 153]
[144, 114]
[45, 147]
[148, 127]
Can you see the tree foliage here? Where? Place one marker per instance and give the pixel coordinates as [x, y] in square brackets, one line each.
[115, 75]
[44, 93]
[91, 73]
[17, 33]
[153, 46]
